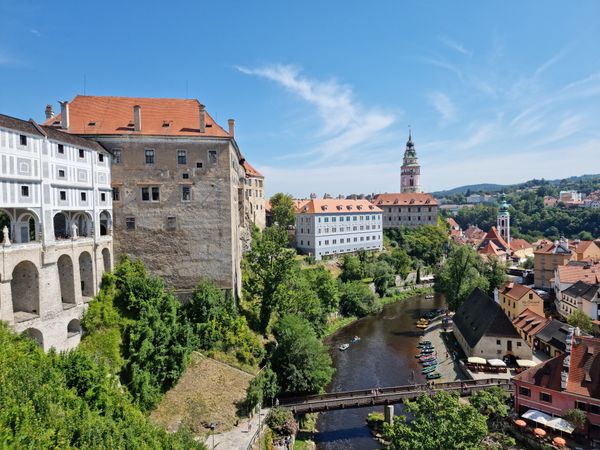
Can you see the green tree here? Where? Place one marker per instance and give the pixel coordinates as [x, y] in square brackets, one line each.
[282, 422]
[352, 269]
[268, 264]
[482, 216]
[301, 362]
[282, 209]
[575, 417]
[492, 403]
[399, 260]
[383, 277]
[495, 272]
[461, 273]
[528, 263]
[357, 299]
[325, 286]
[436, 422]
[582, 320]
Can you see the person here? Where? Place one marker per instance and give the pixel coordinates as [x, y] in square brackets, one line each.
[276, 402]
[249, 425]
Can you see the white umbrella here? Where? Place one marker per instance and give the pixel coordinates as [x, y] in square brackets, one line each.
[496, 363]
[476, 360]
[526, 363]
[561, 424]
[537, 416]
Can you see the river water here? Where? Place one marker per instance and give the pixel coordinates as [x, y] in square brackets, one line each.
[384, 357]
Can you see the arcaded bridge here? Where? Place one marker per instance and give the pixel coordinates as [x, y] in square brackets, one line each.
[386, 396]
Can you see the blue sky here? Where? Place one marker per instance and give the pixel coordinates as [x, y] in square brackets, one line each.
[323, 92]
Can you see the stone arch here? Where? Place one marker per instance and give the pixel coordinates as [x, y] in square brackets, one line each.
[25, 291]
[83, 221]
[36, 335]
[106, 259]
[105, 223]
[74, 328]
[61, 226]
[66, 276]
[6, 220]
[26, 228]
[86, 274]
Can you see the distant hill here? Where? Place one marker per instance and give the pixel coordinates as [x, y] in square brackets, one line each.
[489, 188]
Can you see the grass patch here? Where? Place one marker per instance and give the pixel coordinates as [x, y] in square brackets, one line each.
[208, 391]
[337, 323]
[305, 436]
[231, 360]
[413, 292]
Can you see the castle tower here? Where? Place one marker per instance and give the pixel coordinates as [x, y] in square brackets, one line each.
[410, 172]
[503, 222]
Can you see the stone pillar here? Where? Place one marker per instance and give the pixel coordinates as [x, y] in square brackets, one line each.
[6, 308]
[388, 413]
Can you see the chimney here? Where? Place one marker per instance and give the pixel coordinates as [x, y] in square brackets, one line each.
[137, 118]
[231, 127]
[49, 112]
[202, 118]
[64, 115]
[496, 299]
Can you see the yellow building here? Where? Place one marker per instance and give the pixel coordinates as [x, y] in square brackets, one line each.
[515, 298]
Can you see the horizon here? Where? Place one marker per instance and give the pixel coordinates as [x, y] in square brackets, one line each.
[323, 102]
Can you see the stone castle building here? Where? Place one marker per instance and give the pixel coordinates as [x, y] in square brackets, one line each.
[411, 207]
[178, 185]
[55, 229]
[255, 195]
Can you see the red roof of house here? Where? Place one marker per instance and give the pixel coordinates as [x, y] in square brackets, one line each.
[490, 248]
[589, 274]
[336, 206]
[251, 171]
[105, 115]
[450, 221]
[530, 322]
[519, 244]
[515, 291]
[404, 199]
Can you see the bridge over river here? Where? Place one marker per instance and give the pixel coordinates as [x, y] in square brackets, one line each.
[386, 396]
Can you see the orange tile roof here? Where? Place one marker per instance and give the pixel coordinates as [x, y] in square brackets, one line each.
[515, 291]
[584, 367]
[589, 274]
[404, 199]
[519, 244]
[336, 206]
[251, 171]
[491, 249]
[530, 322]
[160, 117]
[450, 221]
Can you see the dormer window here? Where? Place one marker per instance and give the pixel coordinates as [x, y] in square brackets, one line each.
[324, 207]
[166, 123]
[339, 207]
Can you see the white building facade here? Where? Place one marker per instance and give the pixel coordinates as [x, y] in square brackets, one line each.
[326, 227]
[55, 229]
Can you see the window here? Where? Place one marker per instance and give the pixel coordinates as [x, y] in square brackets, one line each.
[24, 191]
[145, 194]
[102, 197]
[171, 223]
[186, 193]
[130, 223]
[544, 397]
[61, 149]
[498, 342]
[149, 155]
[61, 173]
[81, 153]
[181, 157]
[23, 139]
[116, 194]
[595, 409]
[155, 194]
[117, 156]
[185, 176]
[580, 405]
[518, 344]
[199, 164]
[212, 156]
[63, 195]
[525, 392]
[101, 157]
[84, 197]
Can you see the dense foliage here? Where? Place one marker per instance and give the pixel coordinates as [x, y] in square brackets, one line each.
[436, 422]
[282, 422]
[464, 271]
[301, 362]
[357, 299]
[426, 243]
[582, 320]
[69, 401]
[282, 210]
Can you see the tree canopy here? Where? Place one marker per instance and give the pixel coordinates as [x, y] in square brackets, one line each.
[282, 210]
[582, 320]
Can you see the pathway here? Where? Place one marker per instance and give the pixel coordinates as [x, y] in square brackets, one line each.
[241, 437]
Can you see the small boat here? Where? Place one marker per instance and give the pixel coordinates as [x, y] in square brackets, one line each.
[429, 369]
[355, 339]
[433, 362]
[344, 347]
[428, 361]
[433, 376]
[425, 343]
[429, 296]
[422, 326]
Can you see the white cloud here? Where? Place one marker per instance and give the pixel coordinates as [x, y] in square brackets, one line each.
[347, 127]
[443, 105]
[451, 44]
[35, 31]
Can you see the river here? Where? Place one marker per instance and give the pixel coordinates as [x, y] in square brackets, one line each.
[384, 357]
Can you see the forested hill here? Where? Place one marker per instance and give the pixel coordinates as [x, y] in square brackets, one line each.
[582, 183]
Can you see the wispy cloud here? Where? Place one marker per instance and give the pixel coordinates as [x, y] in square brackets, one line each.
[453, 45]
[35, 32]
[443, 105]
[345, 125]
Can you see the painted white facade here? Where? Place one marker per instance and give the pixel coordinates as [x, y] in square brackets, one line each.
[337, 232]
[55, 229]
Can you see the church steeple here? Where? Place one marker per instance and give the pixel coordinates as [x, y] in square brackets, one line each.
[410, 175]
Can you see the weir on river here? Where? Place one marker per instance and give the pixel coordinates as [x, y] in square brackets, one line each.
[384, 357]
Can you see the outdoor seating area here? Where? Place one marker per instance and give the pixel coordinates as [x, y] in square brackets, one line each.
[476, 364]
[545, 429]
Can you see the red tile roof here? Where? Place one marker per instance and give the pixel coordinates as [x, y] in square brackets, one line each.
[450, 221]
[336, 206]
[404, 199]
[589, 274]
[251, 171]
[530, 322]
[159, 117]
[519, 244]
[515, 291]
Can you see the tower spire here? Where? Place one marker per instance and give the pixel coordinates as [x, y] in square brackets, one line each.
[410, 171]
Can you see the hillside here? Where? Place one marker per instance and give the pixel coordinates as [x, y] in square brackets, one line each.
[566, 183]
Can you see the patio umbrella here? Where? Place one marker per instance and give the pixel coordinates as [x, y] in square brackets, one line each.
[525, 363]
[496, 363]
[476, 360]
[539, 432]
[559, 441]
[520, 423]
